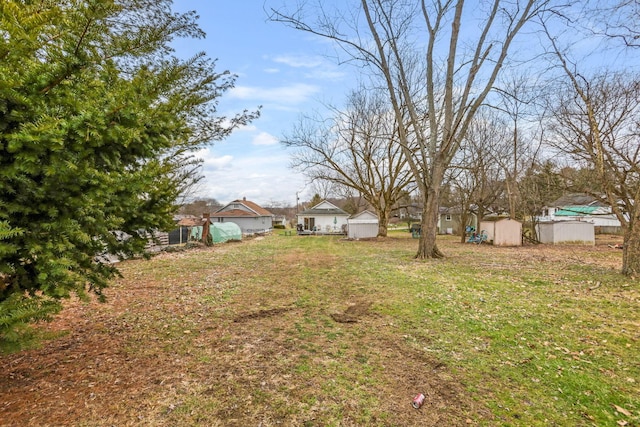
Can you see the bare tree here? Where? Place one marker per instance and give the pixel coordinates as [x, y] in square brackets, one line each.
[597, 123]
[618, 20]
[436, 75]
[358, 149]
[519, 148]
[477, 178]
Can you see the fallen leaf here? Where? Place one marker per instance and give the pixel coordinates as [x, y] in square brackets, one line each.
[622, 410]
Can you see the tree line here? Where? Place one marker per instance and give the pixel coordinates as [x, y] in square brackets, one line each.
[499, 102]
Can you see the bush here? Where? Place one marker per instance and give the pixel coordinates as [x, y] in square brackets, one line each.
[17, 312]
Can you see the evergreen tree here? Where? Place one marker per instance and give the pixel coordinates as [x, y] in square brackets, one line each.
[97, 120]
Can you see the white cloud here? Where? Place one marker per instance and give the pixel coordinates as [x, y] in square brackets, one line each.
[298, 61]
[271, 70]
[260, 177]
[211, 162]
[247, 128]
[264, 138]
[292, 94]
[326, 74]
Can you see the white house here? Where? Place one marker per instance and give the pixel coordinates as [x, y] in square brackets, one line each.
[362, 225]
[581, 207]
[323, 218]
[249, 216]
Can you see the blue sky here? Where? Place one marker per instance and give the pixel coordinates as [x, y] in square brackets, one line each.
[285, 71]
[289, 73]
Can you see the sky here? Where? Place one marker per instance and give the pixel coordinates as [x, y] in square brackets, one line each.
[285, 71]
[289, 73]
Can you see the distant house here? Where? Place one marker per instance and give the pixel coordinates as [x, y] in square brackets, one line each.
[279, 220]
[450, 221]
[502, 231]
[363, 225]
[249, 216]
[581, 207]
[323, 218]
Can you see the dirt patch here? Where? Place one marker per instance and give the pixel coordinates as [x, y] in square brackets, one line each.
[261, 314]
[352, 313]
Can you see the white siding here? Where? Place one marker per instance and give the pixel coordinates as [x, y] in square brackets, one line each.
[504, 232]
[363, 226]
[566, 232]
[254, 225]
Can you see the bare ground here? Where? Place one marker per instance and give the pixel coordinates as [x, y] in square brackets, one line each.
[156, 354]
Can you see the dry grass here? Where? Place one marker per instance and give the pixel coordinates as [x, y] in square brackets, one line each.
[321, 331]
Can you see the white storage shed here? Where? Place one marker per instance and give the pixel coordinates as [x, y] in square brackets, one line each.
[502, 231]
[363, 225]
[562, 232]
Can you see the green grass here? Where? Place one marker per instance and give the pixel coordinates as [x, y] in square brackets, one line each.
[536, 346]
[533, 336]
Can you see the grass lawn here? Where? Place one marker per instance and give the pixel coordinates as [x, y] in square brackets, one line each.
[321, 331]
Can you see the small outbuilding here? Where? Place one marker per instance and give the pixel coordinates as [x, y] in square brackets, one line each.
[225, 231]
[563, 232]
[502, 231]
[363, 225]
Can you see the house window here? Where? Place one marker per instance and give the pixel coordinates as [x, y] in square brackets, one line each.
[448, 217]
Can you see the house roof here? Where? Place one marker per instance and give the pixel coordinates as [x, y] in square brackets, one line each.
[455, 210]
[576, 199]
[254, 210]
[254, 207]
[324, 208]
[235, 213]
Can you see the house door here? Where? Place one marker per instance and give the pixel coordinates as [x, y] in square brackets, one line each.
[309, 223]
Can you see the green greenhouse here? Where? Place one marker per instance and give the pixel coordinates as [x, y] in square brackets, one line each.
[225, 231]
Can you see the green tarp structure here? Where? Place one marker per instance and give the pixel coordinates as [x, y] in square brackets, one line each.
[225, 231]
[196, 233]
[576, 210]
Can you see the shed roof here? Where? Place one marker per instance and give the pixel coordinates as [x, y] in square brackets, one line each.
[190, 222]
[364, 215]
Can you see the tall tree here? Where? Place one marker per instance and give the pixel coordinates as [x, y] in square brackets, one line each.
[97, 119]
[357, 148]
[596, 122]
[517, 94]
[435, 71]
[540, 184]
[478, 178]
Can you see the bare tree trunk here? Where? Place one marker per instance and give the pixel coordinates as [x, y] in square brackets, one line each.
[427, 247]
[511, 198]
[383, 220]
[464, 218]
[631, 250]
